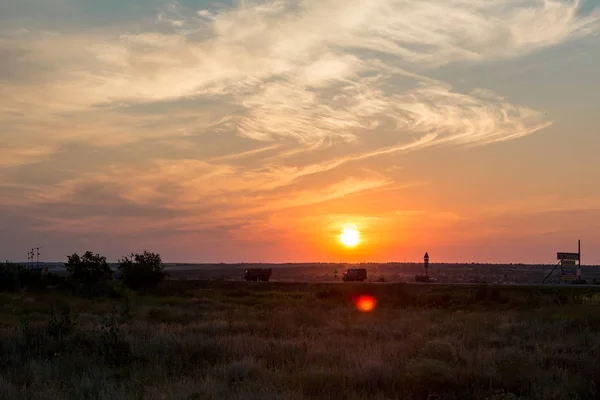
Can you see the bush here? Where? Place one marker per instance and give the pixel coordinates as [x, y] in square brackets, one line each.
[90, 270]
[141, 270]
[14, 277]
[9, 277]
[54, 279]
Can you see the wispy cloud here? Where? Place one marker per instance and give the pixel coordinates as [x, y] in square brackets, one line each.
[312, 71]
[336, 191]
[244, 154]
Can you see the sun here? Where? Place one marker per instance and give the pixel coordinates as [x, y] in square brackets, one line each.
[350, 236]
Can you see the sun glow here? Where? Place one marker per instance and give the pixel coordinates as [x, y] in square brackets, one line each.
[350, 236]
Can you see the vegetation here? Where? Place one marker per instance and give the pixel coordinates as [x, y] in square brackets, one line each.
[239, 340]
[17, 277]
[90, 269]
[11, 277]
[141, 270]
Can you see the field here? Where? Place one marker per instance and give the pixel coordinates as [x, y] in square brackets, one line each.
[390, 272]
[237, 340]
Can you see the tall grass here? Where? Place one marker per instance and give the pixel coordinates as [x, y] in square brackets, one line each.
[301, 342]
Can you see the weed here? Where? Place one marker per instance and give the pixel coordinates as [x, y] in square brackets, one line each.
[114, 347]
[126, 312]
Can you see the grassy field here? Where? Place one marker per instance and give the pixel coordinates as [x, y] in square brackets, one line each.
[238, 340]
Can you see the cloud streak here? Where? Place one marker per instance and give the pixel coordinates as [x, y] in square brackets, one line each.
[315, 72]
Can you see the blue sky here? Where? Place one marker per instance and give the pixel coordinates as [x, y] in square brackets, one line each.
[252, 131]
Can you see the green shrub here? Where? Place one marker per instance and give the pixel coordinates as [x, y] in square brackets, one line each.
[9, 277]
[89, 270]
[141, 270]
[15, 277]
[54, 279]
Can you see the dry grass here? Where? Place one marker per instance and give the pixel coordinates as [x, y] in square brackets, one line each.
[264, 341]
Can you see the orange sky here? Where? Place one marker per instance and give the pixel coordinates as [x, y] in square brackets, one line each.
[252, 131]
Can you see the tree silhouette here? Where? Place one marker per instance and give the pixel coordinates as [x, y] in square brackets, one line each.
[141, 270]
[89, 269]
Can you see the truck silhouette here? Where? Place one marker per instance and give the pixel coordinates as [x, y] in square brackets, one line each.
[258, 274]
[354, 274]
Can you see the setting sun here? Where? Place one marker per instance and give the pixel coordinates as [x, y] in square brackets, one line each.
[350, 236]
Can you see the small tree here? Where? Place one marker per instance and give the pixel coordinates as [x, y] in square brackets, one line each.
[90, 269]
[141, 270]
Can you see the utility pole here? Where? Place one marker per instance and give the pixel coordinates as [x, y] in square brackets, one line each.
[579, 258]
[34, 255]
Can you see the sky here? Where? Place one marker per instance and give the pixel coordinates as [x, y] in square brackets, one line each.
[252, 131]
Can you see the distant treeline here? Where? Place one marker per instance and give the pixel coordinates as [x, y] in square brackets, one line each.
[88, 274]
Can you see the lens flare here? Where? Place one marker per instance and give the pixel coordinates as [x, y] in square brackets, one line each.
[366, 303]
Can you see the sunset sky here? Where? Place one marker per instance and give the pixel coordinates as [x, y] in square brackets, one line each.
[253, 131]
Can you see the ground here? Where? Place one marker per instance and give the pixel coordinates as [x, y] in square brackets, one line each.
[390, 272]
[238, 340]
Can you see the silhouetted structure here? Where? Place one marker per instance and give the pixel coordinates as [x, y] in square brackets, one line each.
[355, 274]
[258, 274]
[424, 278]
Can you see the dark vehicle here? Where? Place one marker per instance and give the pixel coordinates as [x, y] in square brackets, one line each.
[258, 274]
[423, 278]
[355, 274]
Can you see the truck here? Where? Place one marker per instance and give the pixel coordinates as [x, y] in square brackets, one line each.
[355, 274]
[258, 274]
